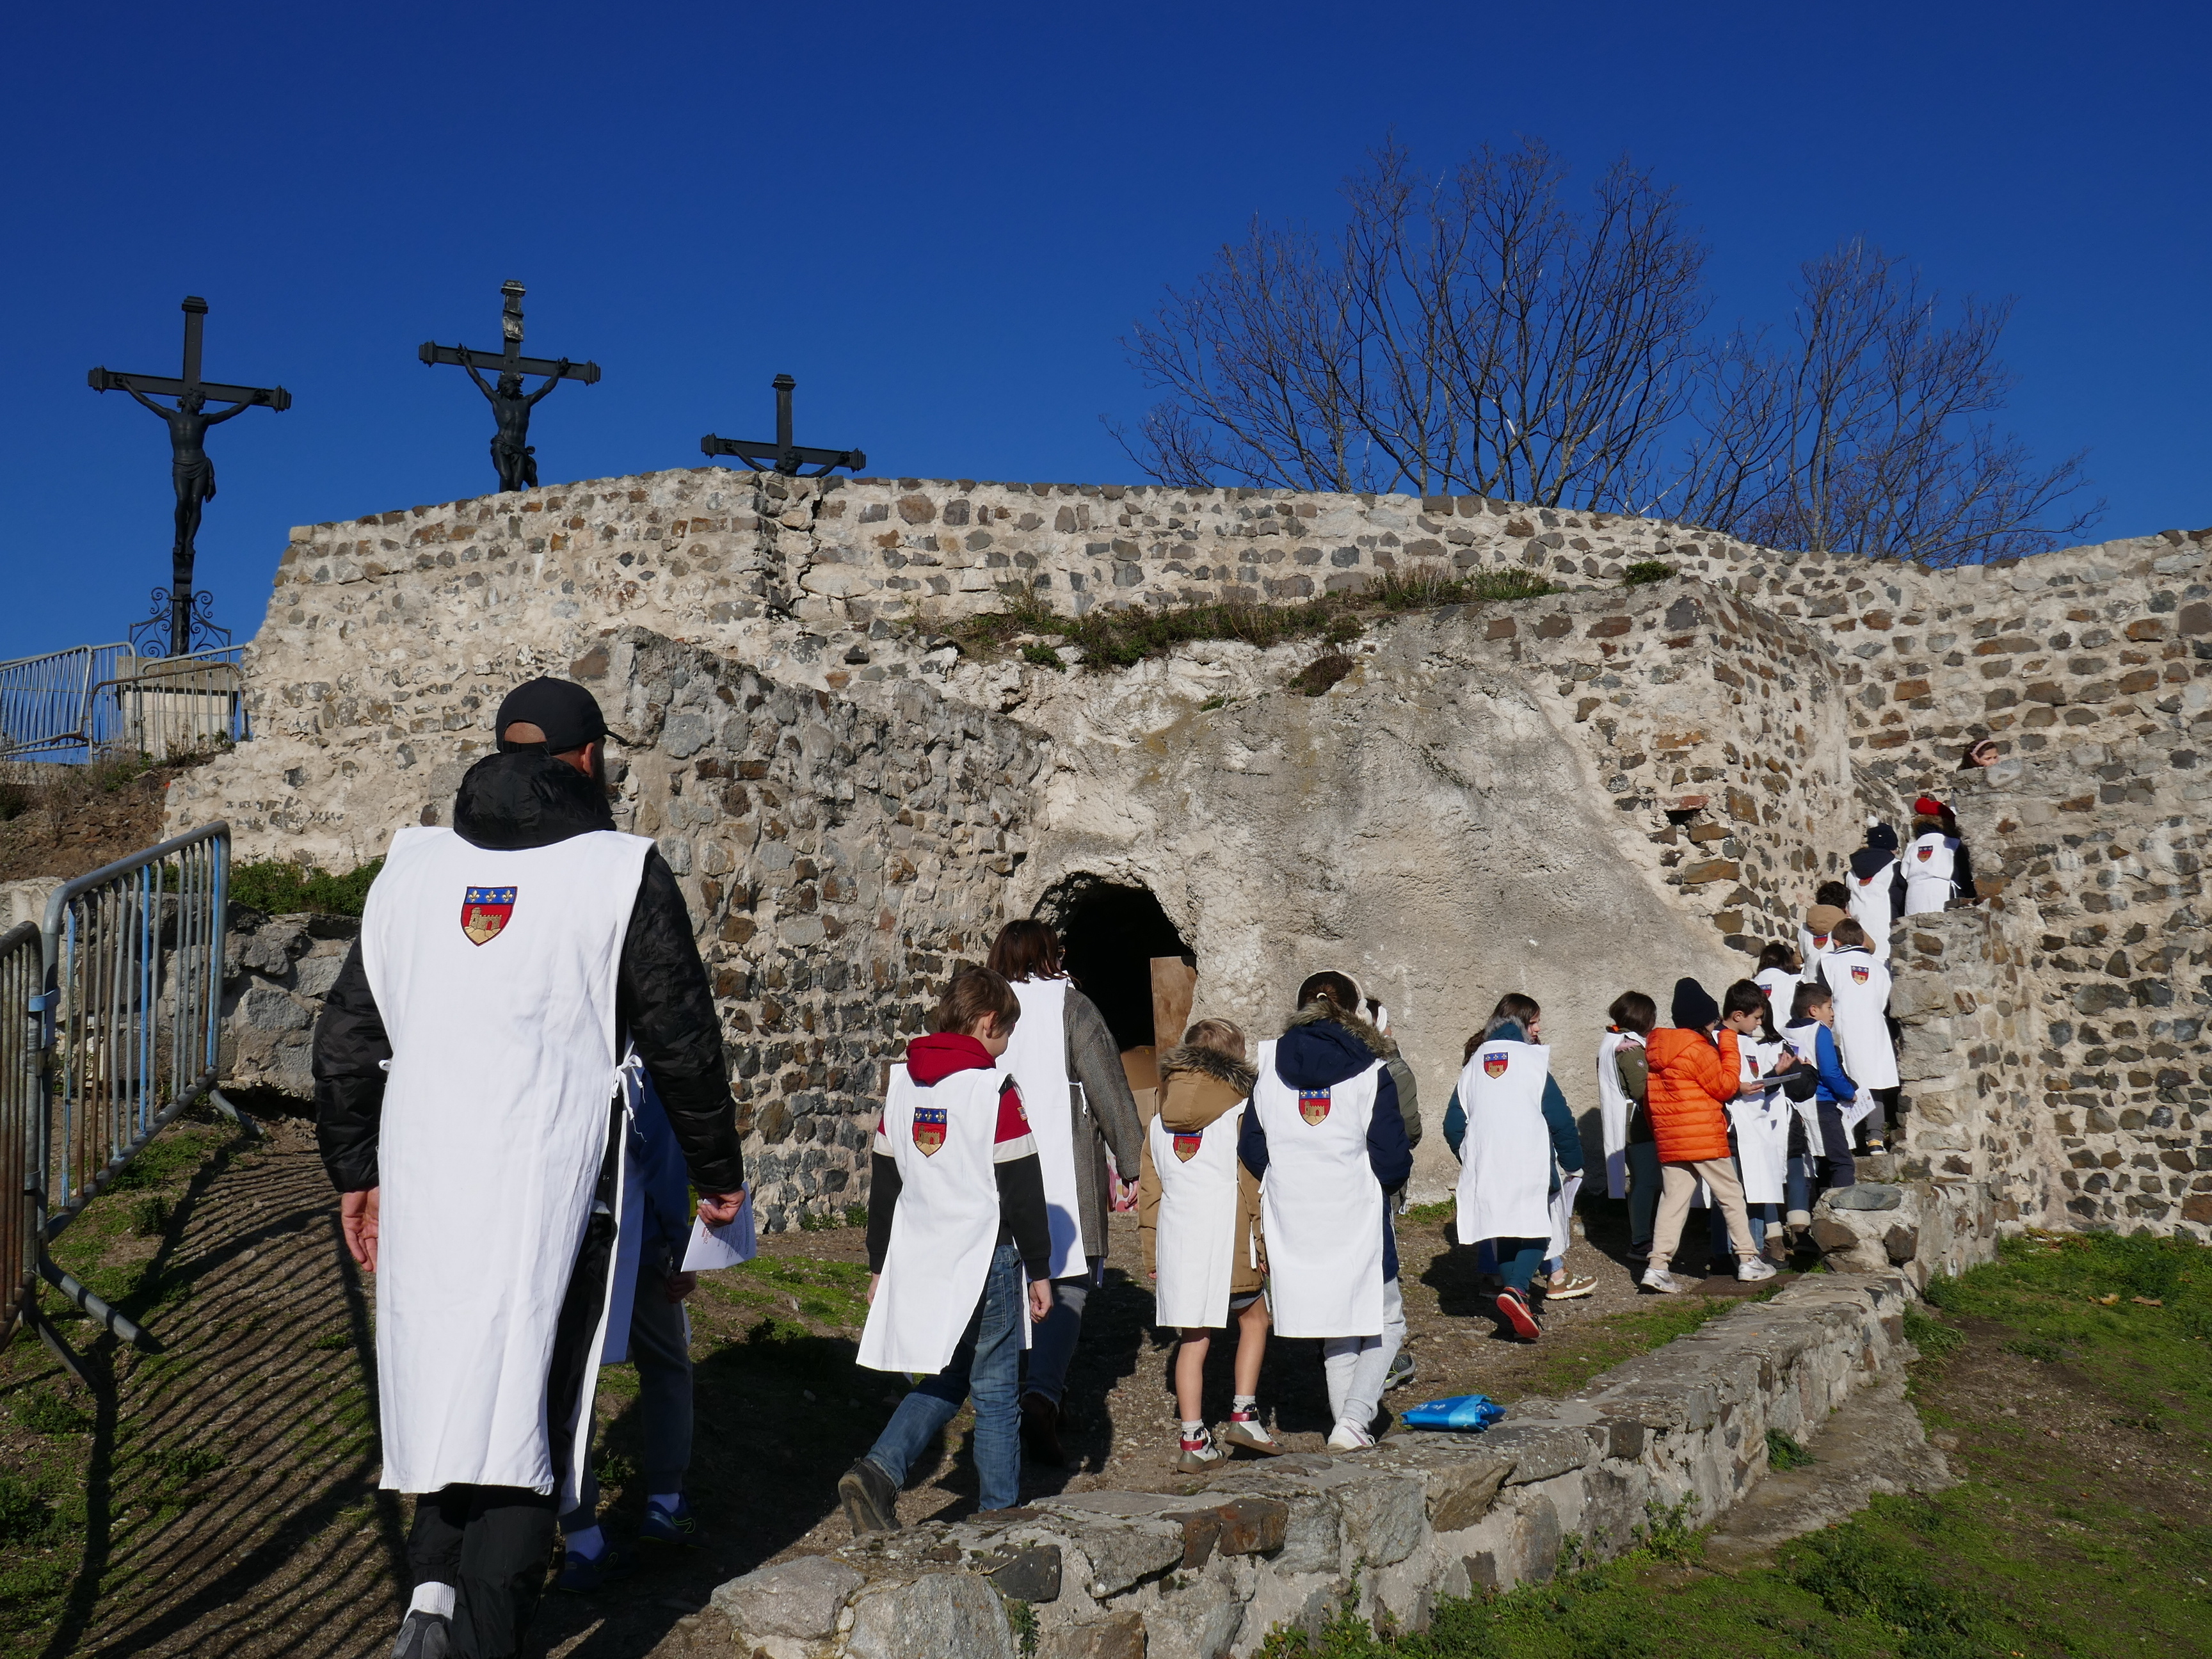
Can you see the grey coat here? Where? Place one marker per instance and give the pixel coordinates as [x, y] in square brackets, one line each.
[1104, 1117]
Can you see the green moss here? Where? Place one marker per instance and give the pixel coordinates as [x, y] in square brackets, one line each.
[283, 888]
[1646, 570]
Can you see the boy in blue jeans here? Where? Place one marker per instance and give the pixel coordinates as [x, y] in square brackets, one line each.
[956, 1225]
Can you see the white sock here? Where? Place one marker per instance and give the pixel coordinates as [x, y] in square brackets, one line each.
[667, 1500]
[1247, 1403]
[587, 1543]
[1194, 1430]
[434, 1598]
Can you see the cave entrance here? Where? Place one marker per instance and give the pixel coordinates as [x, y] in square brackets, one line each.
[1126, 957]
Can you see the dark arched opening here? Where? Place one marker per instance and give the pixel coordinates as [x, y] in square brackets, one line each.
[1113, 934]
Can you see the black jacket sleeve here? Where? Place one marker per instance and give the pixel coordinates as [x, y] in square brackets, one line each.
[884, 1184]
[351, 1048]
[662, 998]
[1022, 1218]
[1962, 873]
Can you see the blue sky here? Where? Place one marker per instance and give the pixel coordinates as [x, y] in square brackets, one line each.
[941, 219]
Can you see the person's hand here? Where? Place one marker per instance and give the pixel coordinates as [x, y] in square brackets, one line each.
[358, 1222]
[1040, 1300]
[721, 1209]
[873, 1279]
[681, 1285]
[1782, 1063]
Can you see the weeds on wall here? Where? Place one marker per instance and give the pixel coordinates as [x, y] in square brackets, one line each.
[1122, 638]
[283, 888]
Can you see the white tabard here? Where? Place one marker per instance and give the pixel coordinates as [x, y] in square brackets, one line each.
[495, 974]
[1812, 951]
[1195, 1245]
[1861, 988]
[1781, 987]
[1930, 864]
[1037, 1056]
[1505, 1161]
[1321, 1204]
[1803, 1041]
[1870, 897]
[1760, 1112]
[945, 1228]
[1613, 1106]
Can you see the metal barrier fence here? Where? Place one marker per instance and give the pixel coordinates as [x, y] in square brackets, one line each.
[22, 978]
[77, 705]
[126, 1021]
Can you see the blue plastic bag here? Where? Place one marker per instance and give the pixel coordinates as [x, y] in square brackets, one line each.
[1462, 1411]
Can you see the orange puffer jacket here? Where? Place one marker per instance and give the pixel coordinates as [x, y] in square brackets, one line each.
[1690, 1079]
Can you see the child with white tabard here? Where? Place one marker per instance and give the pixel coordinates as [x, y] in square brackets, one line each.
[1812, 1037]
[1931, 862]
[1198, 1220]
[1831, 902]
[1758, 1120]
[1861, 985]
[1779, 975]
[1324, 1136]
[1877, 886]
[956, 1224]
[1631, 1156]
[1518, 1138]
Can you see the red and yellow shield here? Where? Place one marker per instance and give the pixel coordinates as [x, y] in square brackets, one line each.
[1924, 854]
[1313, 1104]
[1858, 975]
[1819, 941]
[1494, 1063]
[928, 1129]
[485, 912]
[1185, 1146]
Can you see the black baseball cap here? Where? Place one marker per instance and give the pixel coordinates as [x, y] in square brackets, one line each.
[567, 713]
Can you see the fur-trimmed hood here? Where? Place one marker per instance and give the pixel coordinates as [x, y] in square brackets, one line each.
[1198, 1084]
[1197, 1057]
[1381, 1047]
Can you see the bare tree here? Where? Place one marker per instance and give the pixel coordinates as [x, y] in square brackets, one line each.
[1479, 332]
[1871, 432]
[1468, 333]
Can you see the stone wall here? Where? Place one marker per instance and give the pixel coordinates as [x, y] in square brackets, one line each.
[1723, 762]
[1679, 1432]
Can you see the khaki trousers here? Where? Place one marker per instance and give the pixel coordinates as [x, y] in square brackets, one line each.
[1678, 1185]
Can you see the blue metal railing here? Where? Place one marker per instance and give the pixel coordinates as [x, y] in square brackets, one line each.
[74, 706]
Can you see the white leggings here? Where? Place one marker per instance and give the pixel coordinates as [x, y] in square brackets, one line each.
[1356, 1365]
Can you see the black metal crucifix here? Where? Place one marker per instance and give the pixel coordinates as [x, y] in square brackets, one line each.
[190, 468]
[511, 451]
[783, 455]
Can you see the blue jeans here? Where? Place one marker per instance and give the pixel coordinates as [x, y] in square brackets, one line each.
[1761, 1217]
[1052, 1344]
[1518, 1260]
[986, 1364]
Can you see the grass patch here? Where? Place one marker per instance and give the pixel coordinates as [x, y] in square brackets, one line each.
[280, 887]
[831, 1293]
[854, 1215]
[1122, 638]
[44, 1412]
[1783, 1453]
[1930, 1335]
[1324, 671]
[1644, 571]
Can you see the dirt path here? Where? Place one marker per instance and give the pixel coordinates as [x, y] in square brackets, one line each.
[231, 1507]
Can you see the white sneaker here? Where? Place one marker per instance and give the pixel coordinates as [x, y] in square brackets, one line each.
[1349, 1436]
[1751, 1269]
[1659, 1279]
[1199, 1453]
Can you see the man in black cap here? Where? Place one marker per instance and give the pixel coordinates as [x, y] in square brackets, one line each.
[468, 1084]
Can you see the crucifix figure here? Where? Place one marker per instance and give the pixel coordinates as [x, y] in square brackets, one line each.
[783, 455]
[190, 468]
[512, 454]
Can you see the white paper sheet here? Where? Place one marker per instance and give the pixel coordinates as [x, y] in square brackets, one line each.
[722, 1247]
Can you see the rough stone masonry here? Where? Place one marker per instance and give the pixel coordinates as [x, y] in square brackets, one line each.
[1564, 795]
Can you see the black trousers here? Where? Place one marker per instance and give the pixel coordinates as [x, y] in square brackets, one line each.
[494, 1544]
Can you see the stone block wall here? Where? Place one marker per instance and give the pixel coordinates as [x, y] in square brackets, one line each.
[1679, 1432]
[838, 863]
[275, 972]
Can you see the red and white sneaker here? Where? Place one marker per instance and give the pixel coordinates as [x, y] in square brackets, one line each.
[1245, 1429]
[1199, 1453]
[1513, 1309]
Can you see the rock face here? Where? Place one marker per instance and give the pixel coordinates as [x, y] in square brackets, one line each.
[1642, 781]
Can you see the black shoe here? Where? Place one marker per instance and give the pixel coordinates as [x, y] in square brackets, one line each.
[423, 1636]
[1401, 1372]
[1040, 1430]
[871, 1500]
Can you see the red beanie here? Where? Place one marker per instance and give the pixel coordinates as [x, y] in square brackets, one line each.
[1928, 807]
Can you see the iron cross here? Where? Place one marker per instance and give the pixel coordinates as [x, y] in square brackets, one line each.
[190, 468]
[512, 454]
[783, 455]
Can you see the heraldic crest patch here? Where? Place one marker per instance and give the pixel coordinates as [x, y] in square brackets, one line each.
[485, 911]
[1494, 1063]
[1185, 1146]
[1858, 975]
[1313, 1104]
[928, 1129]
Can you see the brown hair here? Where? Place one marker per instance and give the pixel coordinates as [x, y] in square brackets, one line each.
[1331, 987]
[974, 993]
[1808, 998]
[1026, 949]
[1926, 823]
[1632, 1010]
[1777, 954]
[1744, 997]
[1513, 1007]
[1218, 1034]
[1849, 932]
[1832, 893]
